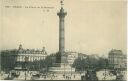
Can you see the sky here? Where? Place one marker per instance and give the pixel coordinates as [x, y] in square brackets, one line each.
[91, 26]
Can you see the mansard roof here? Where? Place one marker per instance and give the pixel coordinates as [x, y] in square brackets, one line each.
[114, 51]
[32, 51]
[24, 51]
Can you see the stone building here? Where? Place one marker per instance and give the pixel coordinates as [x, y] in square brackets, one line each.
[30, 54]
[117, 59]
[15, 58]
[71, 57]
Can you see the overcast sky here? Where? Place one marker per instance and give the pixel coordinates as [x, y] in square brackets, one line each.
[91, 26]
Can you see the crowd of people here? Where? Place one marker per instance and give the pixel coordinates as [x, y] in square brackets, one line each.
[34, 75]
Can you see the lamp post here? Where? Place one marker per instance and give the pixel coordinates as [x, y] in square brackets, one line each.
[25, 63]
[105, 68]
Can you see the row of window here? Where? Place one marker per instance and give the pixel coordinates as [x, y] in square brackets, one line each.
[30, 58]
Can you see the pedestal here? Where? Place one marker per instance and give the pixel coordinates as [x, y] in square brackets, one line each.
[63, 68]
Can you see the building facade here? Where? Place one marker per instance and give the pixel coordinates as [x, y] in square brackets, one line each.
[30, 54]
[71, 56]
[12, 59]
[117, 59]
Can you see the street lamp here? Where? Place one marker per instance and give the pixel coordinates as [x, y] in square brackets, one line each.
[25, 63]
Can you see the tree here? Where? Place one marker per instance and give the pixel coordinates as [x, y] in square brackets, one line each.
[50, 60]
[8, 59]
[103, 63]
[84, 64]
[79, 64]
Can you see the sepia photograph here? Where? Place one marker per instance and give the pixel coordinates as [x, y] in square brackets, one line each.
[83, 40]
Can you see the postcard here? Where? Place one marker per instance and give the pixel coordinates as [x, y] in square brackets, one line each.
[63, 40]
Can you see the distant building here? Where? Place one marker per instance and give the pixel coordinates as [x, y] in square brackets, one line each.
[74, 55]
[16, 57]
[71, 57]
[117, 59]
[30, 54]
